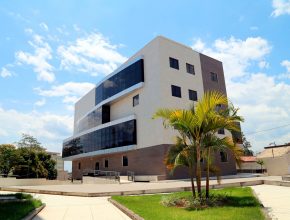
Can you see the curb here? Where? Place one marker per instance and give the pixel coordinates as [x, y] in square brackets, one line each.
[125, 210]
[34, 212]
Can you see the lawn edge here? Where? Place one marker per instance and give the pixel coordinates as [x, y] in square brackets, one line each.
[125, 210]
[34, 212]
[264, 210]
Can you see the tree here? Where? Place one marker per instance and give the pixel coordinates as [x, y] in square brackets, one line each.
[30, 142]
[7, 158]
[246, 146]
[261, 163]
[196, 123]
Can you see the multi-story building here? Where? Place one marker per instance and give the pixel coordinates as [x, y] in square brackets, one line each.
[113, 125]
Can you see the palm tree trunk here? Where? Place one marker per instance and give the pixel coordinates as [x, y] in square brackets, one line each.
[207, 175]
[198, 171]
[192, 181]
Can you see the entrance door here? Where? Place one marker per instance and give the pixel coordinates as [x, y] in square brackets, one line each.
[97, 167]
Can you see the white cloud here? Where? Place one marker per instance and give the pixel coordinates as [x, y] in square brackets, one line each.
[286, 64]
[49, 129]
[93, 54]
[43, 26]
[39, 60]
[40, 103]
[5, 73]
[281, 7]
[236, 54]
[263, 64]
[262, 100]
[70, 91]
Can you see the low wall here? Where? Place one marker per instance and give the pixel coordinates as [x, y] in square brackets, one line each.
[29, 182]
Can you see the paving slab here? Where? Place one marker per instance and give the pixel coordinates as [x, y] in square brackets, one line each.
[276, 199]
[77, 208]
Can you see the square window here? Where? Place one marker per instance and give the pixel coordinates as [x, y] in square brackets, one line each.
[173, 63]
[136, 100]
[176, 91]
[106, 163]
[224, 156]
[213, 77]
[125, 161]
[192, 95]
[221, 131]
[190, 68]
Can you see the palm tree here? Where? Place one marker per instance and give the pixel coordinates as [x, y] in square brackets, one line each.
[196, 123]
[181, 154]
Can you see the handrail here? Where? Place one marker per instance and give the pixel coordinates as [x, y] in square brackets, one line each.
[131, 176]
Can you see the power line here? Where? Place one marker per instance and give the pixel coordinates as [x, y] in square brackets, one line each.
[282, 126]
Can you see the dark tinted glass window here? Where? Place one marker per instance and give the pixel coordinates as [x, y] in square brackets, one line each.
[176, 91]
[124, 79]
[136, 100]
[106, 163]
[173, 63]
[224, 156]
[118, 135]
[125, 161]
[190, 68]
[213, 77]
[221, 131]
[192, 95]
[97, 117]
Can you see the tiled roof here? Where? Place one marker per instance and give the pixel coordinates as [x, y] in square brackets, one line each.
[248, 159]
[277, 151]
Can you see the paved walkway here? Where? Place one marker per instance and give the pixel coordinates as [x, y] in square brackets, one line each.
[137, 186]
[276, 199]
[77, 208]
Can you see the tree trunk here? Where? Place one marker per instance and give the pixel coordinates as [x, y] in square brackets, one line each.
[207, 175]
[192, 182]
[198, 171]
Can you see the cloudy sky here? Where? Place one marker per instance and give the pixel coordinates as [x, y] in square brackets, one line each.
[53, 52]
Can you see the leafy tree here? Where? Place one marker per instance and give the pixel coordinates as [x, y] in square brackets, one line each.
[246, 146]
[7, 158]
[29, 141]
[195, 124]
[261, 163]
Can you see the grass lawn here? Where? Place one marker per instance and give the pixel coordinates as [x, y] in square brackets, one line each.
[242, 206]
[18, 209]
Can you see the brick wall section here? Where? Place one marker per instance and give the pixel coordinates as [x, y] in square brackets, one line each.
[145, 161]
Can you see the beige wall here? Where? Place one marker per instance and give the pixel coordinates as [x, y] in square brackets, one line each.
[278, 166]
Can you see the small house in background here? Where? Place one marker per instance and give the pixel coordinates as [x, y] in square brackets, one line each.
[249, 165]
[277, 159]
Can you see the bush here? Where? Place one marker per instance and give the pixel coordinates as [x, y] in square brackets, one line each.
[188, 202]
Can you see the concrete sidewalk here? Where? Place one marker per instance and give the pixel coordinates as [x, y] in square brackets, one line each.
[133, 188]
[77, 208]
[276, 199]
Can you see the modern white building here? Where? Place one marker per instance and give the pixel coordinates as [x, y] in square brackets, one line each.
[113, 125]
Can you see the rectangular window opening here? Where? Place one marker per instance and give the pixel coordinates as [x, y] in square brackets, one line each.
[125, 161]
[213, 77]
[190, 68]
[106, 163]
[173, 63]
[136, 100]
[192, 95]
[224, 156]
[176, 91]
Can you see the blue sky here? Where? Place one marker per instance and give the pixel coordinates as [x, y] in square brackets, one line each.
[53, 52]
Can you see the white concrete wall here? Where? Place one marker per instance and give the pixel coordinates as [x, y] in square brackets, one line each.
[277, 166]
[29, 182]
[84, 105]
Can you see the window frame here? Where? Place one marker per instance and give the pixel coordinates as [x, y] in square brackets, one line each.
[194, 93]
[125, 156]
[173, 87]
[221, 131]
[137, 98]
[214, 76]
[106, 163]
[225, 156]
[174, 63]
[188, 66]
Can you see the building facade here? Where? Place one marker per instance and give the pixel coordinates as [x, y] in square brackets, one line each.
[113, 125]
